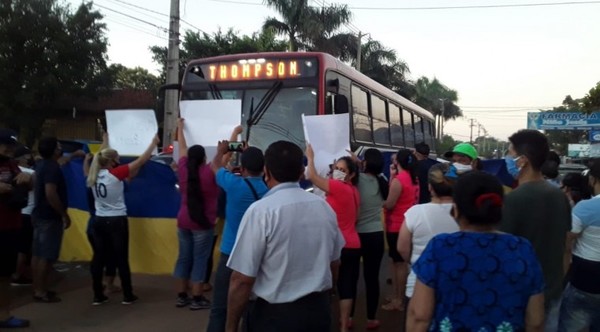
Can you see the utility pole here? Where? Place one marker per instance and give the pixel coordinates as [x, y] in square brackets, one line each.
[472, 125]
[171, 95]
[359, 51]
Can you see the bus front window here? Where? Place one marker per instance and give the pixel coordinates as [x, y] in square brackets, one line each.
[282, 120]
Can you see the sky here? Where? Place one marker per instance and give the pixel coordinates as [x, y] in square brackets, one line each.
[502, 61]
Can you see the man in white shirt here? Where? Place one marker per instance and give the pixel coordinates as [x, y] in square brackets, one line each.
[286, 253]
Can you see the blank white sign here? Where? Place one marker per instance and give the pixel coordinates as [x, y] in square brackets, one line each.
[209, 121]
[329, 136]
[130, 132]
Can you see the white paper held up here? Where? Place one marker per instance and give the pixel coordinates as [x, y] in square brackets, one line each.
[329, 136]
[131, 131]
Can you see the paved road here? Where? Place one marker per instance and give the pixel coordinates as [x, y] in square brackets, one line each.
[154, 312]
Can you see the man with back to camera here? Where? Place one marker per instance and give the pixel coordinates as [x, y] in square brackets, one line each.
[539, 212]
[241, 192]
[12, 181]
[49, 217]
[422, 155]
[286, 254]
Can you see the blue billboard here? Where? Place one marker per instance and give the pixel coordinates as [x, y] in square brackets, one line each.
[594, 136]
[563, 121]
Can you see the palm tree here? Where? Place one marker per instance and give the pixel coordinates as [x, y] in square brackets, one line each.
[294, 15]
[312, 28]
[438, 99]
[382, 64]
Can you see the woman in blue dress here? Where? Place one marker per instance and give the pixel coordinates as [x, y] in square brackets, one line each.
[477, 279]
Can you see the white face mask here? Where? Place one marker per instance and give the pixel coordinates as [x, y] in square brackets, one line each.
[460, 168]
[338, 175]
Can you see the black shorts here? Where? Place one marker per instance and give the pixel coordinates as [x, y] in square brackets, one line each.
[392, 240]
[8, 252]
[25, 235]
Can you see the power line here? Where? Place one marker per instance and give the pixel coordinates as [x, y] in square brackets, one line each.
[133, 27]
[133, 17]
[482, 6]
[155, 12]
[540, 4]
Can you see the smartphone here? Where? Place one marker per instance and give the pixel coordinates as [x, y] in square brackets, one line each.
[236, 146]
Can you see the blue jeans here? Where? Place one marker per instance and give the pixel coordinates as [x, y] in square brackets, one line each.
[579, 310]
[194, 251]
[218, 311]
[47, 238]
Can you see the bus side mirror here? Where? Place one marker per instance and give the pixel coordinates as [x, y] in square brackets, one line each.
[340, 104]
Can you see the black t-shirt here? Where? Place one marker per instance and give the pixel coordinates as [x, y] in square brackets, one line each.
[424, 166]
[48, 171]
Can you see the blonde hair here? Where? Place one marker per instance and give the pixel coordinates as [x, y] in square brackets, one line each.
[101, 160]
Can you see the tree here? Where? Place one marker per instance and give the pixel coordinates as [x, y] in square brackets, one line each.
[47, 51]
[133, 78]
[438, 99]
[295, 14]
[591, 102]
[202, 45]
[313, 28]
[382, 65]
[445, 144]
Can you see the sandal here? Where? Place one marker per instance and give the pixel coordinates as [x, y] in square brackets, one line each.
[49, 297]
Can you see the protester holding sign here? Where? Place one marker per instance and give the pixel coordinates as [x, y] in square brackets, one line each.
[343, 196]
[195, 221]
[111, 228]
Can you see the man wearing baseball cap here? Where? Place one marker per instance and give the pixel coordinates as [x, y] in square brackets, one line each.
[463, 156]
[12, 182]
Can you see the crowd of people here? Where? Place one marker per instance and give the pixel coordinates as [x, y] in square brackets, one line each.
[466, 253]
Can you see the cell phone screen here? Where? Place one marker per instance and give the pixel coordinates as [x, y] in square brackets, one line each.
[236, 146]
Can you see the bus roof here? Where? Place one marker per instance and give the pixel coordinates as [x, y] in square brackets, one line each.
[328, 61]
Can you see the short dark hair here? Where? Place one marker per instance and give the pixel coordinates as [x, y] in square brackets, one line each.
[550, 169]
[285, 161]
[252, 159]
[595, 168]
[47, 147]
[478, 198]
[422, 148]
[533, 145]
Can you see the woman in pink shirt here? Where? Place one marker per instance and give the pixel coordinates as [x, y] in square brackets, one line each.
[343, 197]
[195, 222]
[403, 194]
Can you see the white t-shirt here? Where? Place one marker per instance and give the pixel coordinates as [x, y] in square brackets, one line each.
[31, 198]
[424, 221]
[109, 192]
[287, 241]
[586, 222]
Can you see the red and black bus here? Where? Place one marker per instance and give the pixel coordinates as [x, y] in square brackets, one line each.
[277, 88]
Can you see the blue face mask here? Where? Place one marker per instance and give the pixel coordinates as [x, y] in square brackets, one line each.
[511, 166]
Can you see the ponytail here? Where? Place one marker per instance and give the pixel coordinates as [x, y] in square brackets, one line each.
[195, 197]
[408, 162]
[101, 159]
[384, 186]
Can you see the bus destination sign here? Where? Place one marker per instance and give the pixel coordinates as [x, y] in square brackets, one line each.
[259, 69]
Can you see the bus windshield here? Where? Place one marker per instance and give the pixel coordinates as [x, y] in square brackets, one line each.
[282, 120]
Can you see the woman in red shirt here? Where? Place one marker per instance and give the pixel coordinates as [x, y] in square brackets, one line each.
[403, 194]
[343, 197]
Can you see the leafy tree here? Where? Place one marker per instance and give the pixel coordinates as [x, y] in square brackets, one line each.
[591, 102]
[133, 78]
[47, 51]
[295, 16]
[445, 144]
